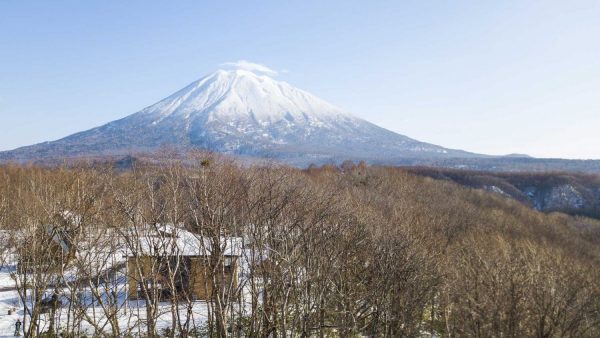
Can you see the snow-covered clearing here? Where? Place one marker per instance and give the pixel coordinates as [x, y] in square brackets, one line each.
[132, 313]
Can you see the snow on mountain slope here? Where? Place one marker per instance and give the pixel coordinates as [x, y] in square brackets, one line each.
[243, 112]
[240, 93]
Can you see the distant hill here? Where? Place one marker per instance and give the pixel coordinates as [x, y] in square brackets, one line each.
[572, 193]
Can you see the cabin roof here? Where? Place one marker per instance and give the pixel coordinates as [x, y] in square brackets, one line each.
[171, 240]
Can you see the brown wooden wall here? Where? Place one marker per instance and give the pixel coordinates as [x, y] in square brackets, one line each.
[198, 285]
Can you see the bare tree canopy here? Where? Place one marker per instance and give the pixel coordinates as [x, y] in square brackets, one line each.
[208, 248]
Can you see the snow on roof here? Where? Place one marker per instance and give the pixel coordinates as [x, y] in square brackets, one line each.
[170, 240]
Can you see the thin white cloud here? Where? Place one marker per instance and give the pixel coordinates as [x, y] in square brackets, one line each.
[250, 66]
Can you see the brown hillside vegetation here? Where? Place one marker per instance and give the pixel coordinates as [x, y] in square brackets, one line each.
[348, 251]
[567, 192]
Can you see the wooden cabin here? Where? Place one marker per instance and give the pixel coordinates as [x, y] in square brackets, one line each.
[54, 250]
[166, 250]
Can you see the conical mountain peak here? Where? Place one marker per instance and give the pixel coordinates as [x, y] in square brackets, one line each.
[230, 94]
[241, 109]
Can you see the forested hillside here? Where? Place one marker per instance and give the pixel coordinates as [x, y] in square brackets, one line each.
[568, 192]
[328, 251]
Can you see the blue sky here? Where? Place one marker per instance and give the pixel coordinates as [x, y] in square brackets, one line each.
[493, 77]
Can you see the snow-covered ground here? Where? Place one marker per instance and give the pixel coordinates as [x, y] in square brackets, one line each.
[131, 315]
[8, 300]
[107, 262]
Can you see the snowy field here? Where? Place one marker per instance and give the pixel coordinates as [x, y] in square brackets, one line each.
[131, 315]
[86, 316]
[8, 300]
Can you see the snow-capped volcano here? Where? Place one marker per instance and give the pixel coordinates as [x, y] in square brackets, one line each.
[233, 105]
[241, 93]
[243, 111]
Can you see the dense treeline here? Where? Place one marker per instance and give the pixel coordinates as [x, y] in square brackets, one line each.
[329, 251]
